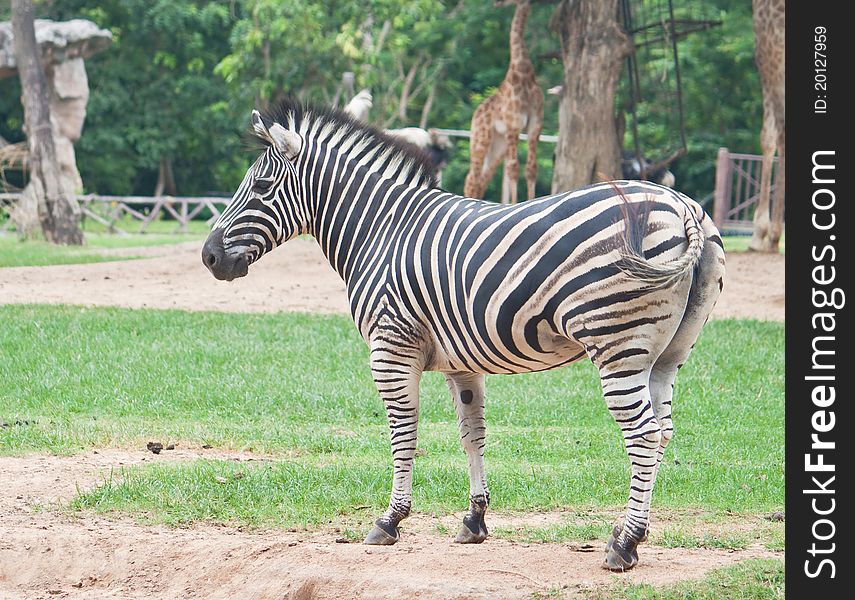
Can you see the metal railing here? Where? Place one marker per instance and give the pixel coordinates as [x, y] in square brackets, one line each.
[737, 189]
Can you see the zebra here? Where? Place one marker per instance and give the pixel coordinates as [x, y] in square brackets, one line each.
[624, 273]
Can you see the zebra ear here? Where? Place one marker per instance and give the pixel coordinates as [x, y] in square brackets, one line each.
[288, 142]
[258, 125]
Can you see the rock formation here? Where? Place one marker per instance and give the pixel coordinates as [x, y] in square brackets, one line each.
[64, 46]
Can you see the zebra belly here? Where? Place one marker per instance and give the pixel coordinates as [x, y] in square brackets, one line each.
[556, 351]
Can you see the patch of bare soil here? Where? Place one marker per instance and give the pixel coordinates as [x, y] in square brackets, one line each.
[753, 287]
[46, 553]
[295, 278]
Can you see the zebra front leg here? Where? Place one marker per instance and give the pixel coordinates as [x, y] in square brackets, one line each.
[397, 376]
[467, 391]
[627, 394]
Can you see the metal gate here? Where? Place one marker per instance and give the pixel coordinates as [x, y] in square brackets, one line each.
[737, 189]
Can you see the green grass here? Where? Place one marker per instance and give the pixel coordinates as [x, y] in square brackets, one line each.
[739, 243]
[15, 253]
[748, 580]
[680, 538]
[298, 386]
[97, 243]
[683, 529]
[579, 530]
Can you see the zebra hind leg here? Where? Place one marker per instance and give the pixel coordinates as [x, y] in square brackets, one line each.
[467, 391]
[627, 394]
[662, 377]
[624, 349]
[653, 404]
[706, 287]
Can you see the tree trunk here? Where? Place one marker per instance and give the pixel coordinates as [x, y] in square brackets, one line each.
[58, 212]
[165, 178]
[593, 49]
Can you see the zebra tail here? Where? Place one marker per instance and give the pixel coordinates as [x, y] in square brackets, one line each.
[633, 262]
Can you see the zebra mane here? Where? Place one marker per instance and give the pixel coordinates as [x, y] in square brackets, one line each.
[401, 160]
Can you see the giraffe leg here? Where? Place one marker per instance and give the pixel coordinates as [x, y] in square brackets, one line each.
[512, 163]
[506, 186]
[396, 374]
[491, 162]
[768, 137]
[479, 147]
[473, 186]
[467, 390]
[777, 226]
[531, 160]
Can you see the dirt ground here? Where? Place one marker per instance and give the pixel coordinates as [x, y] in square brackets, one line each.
[295, 278]
[46, 552]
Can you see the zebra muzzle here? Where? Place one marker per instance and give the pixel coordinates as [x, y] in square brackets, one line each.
[223, 265]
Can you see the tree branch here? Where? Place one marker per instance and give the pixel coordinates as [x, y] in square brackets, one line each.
[405, 91]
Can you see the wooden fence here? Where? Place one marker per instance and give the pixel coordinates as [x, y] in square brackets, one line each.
[109, 210]
[737, 189]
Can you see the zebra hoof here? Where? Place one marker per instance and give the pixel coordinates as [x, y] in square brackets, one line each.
[473, 530]
[620, 559]
[467, 536]
[381, 536]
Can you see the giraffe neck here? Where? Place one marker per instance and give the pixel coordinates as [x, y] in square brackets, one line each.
[519, 54]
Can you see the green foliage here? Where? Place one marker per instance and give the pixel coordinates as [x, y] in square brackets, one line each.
[181, 76]
[280, 47]
[722, 99]
[11, 125]
[154, 96]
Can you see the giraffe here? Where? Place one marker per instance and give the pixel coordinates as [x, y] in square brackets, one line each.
[497, 122]
[769, 54]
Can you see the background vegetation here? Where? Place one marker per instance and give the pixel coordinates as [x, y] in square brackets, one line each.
[182, 76]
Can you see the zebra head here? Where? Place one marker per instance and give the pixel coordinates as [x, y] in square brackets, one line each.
[264, 211]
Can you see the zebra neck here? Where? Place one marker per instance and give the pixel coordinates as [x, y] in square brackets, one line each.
[358, 213]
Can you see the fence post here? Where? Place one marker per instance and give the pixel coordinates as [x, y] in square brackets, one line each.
[722, 181]
[184, 218]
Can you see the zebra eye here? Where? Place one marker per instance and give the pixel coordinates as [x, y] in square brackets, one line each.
[262, 186]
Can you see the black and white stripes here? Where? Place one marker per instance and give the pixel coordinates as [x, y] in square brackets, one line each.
[624, 273]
